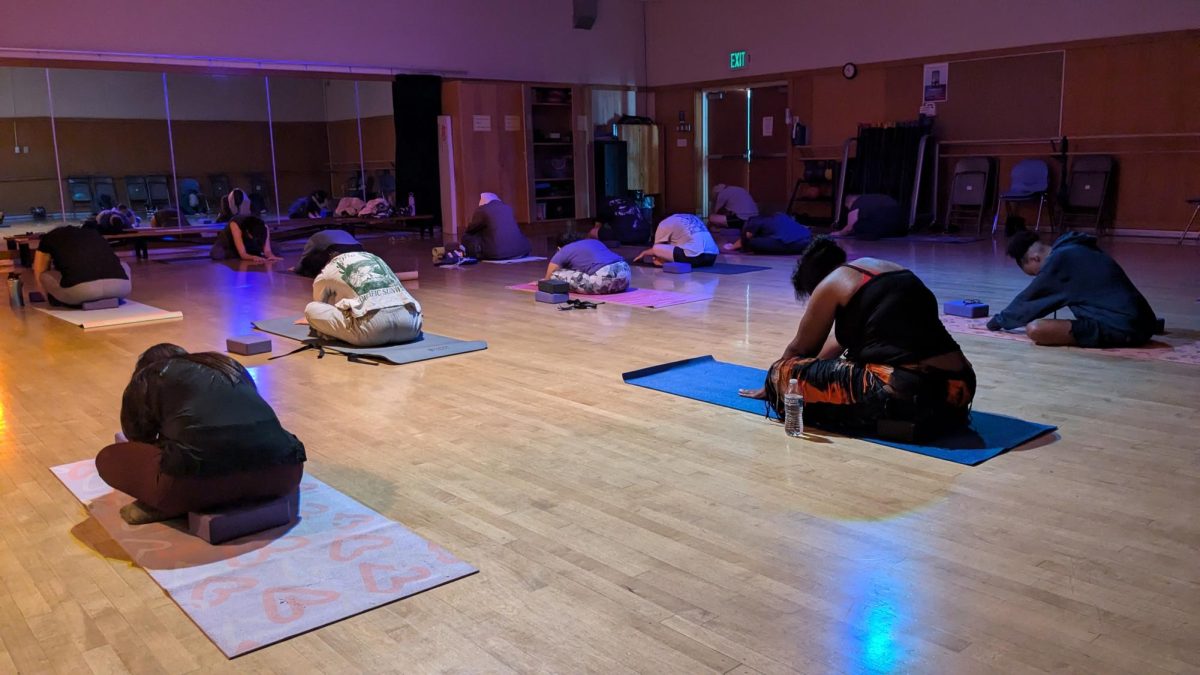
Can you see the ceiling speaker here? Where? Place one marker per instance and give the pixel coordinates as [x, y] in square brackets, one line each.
[585, 13]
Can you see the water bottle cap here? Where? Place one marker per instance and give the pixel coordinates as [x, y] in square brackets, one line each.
[793, 381]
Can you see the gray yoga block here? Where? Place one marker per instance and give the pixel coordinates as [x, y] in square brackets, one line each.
[676, 268]
[103, 303]
[552, 298]
[553, 286]
[1160, 326]
[248, 345]
[216, 527]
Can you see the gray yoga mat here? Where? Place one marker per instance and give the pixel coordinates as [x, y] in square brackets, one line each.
[430, 346]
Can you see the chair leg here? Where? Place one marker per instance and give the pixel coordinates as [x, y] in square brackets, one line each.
[996, 217]
[1037, 227]
[1188, 229]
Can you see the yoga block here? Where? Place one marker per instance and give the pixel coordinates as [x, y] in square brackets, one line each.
[119, 437]
[248, 345]
[972, 309]
[676, 268]
[898, 431]
[1160, 326]
[552, 298]
[34, 296]
[103, 303]
[553, 286]
[216, 527]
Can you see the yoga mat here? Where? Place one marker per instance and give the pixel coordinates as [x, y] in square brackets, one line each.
[706, 379]
[430, 346]
[1176, 349]
[128, 312]
[634, 297]
[514, 261]
[340, 559]
[729, 268]
[937, 239]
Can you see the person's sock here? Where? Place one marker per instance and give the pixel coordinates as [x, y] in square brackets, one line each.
[137, 513]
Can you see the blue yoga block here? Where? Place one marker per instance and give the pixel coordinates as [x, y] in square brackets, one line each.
[676, 268]
[103, 303]
[216, 527]
[35, 296]
[552, 298]
[248, 345]
[972, 309]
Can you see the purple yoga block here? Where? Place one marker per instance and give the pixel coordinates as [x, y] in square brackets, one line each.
[248, 345]
[676, 268]
[34, 296]
[119, 437]
[972, 309]
[216, 527]
[103, 303]
[552, 298]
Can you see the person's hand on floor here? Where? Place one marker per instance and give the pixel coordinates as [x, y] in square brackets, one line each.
[758, 394]
[993, 323]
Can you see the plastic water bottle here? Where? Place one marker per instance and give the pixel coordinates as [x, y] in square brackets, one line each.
[793, 409]
[16, 290]
[412, 204]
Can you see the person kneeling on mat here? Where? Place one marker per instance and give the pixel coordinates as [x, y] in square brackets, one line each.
[681, 238]
[1074, 273]
[199, 437]
[872, 217]
[890, 357]
[358, 299]
[85, 267]
[588, 266]
[777, 234]
[493, 233]
[732, 206]
[245, 238]
[323, 247]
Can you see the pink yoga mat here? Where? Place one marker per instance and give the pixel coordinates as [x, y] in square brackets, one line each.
[636, 297]
[340, 559]
[1161, 348]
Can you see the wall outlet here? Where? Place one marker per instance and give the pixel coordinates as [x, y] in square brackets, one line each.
[27, 149]
[16, 149]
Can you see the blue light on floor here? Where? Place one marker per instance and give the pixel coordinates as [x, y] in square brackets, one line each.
[872, 640]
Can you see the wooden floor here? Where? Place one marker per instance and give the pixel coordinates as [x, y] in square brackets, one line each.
[619, 529]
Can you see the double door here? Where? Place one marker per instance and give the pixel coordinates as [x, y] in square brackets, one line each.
[746, 141]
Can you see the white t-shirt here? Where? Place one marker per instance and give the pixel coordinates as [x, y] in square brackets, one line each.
[360, 282]
[687, 232]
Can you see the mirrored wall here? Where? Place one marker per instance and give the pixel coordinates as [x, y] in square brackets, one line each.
[75, 141]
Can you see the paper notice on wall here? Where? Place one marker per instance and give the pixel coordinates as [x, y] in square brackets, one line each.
[512, 122]
[936, 82]
[929, 110]
[581, 123]
[768, 126]
[681, 142]
[481, 122]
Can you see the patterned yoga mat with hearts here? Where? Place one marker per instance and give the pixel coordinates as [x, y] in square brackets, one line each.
[338, 560]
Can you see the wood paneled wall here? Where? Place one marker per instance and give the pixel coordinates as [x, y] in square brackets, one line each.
[1140, 88]
[493, 160]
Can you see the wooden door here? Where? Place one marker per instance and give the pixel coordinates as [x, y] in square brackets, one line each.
[769, 140]
[725, 129]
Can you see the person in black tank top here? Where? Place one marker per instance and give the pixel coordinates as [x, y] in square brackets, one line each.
[870, 347]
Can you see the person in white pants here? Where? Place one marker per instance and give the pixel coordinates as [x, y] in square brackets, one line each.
[358, 299]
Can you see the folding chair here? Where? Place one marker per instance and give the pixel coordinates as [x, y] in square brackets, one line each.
[136, 192]
[192, 198]
[104, 191]
[79, 189]
[969, 192]
[258, 193]
[218, 187]
[1186, 230]
[1029, 180]
[158, 190]
[1088, 181]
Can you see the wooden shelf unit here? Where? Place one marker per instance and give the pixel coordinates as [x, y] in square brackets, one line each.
[557, 131]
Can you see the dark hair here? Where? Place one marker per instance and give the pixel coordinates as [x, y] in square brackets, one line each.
[568, 238]
[219, 362]
[821, 257]
[1020, 244]
[252, 227]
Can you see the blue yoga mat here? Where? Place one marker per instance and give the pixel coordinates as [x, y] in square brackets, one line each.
[729, 268]
[429, 346]
[706, 379]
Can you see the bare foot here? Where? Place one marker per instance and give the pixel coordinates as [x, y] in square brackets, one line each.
[137, 513]
[759, 394]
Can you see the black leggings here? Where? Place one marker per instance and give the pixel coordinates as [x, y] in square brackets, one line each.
[702, 260]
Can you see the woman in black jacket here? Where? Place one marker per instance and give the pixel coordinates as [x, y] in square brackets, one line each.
[199, 437]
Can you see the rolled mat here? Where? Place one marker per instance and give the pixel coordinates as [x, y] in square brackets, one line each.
[705, 379]
[429, 346]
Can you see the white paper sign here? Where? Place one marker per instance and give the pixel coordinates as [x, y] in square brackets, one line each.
[481, 122]
[769, 125]
[581, 123]
[935, 85]
[512, 122]
[681, 142]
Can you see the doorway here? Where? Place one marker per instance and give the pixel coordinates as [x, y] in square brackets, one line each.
[746, 142]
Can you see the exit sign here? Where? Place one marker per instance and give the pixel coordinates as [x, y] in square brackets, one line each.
[737, 60]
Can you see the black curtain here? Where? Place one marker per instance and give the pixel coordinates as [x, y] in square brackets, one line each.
[416, 104]
[886, 161]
